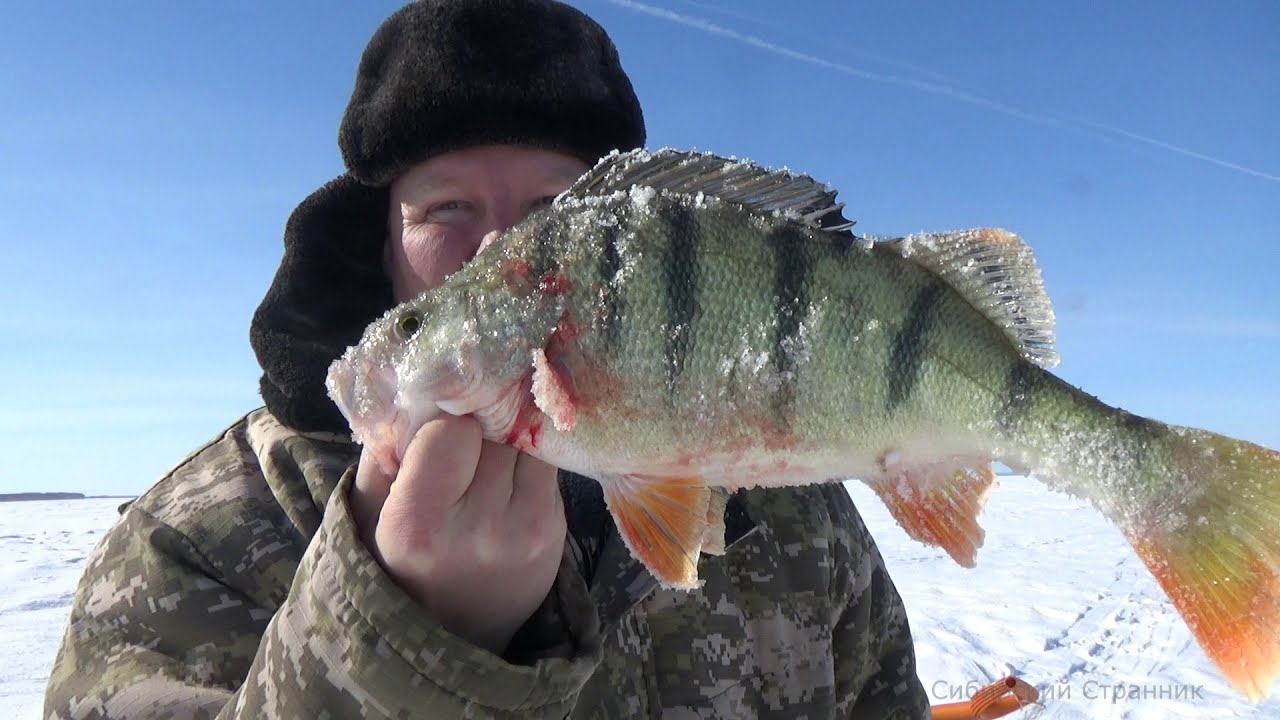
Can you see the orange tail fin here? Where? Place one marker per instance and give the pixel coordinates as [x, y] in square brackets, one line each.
[1219, 560]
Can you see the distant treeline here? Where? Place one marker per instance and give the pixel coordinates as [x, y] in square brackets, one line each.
[16, 497]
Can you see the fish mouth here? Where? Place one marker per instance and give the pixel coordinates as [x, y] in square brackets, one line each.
[366, 395]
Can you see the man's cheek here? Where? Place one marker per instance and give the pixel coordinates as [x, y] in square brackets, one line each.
[434, 256]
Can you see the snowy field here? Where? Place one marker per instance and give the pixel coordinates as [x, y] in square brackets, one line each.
[1058, 599]
[44, 545]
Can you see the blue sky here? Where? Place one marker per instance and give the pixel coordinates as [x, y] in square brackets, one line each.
[153, 150]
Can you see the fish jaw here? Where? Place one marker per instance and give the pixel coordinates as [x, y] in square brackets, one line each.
[386, 400]
[365, 392]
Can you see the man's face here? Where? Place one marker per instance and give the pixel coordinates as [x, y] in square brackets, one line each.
[442, 209]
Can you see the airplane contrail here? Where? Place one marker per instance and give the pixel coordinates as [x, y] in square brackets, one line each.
[774, 25]
[935, 88]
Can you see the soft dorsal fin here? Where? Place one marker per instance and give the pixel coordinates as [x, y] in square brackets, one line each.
[997, 273]
[737, 181]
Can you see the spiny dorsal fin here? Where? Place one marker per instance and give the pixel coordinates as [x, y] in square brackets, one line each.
[737, 181]
[996, 272]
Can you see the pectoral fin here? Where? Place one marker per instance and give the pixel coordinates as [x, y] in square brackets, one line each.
[938, 504]
[553, 390]
[663, 521]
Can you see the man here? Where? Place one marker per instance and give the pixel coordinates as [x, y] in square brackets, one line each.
[276, 574]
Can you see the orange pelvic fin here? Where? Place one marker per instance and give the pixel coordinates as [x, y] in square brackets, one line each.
[938, 504]
[663, 521]
[1218, 556]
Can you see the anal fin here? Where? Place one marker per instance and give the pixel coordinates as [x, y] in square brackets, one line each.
[663, 522]
[938, 504]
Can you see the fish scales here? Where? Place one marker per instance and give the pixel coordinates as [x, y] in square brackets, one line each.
[743, 352]
[665, 340]
[774, 326]
[725, 309]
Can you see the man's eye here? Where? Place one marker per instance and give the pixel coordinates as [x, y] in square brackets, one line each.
[451, 211]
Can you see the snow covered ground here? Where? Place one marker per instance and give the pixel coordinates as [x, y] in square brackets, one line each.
[43, 546]
[1058, 598]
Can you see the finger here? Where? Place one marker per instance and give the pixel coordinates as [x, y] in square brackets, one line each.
[490, 491]
[439, 464]
[534, 483]
[537, 511]
[368, 493]
[490, 238]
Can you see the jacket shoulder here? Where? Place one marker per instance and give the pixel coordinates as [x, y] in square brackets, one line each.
[256, 490]
[223, 469]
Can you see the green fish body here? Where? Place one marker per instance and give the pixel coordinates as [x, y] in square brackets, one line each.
[679, 325]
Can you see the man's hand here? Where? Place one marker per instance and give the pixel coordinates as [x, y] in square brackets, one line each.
[473, 530]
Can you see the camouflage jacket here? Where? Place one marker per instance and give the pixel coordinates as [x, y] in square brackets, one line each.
[237, 588]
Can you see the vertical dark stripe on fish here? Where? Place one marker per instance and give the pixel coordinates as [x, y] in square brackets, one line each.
[544, 251]
[906, 358]
[792, 266]
[609, 298]
[680, 273]
[1020, 386]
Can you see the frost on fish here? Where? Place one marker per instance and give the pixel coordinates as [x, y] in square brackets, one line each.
[677, 325]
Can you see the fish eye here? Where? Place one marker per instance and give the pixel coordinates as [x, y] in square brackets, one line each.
[408, 323]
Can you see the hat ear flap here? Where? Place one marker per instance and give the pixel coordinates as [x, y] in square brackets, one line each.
[330, 285]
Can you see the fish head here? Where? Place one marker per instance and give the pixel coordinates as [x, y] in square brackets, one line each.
[366, 381]
[458, 348]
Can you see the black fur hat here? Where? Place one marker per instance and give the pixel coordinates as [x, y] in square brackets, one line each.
[438, 75]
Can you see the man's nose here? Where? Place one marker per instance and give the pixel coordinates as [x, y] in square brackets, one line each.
[505, 216]
[499, 221]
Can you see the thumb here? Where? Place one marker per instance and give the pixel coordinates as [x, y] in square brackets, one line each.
[438, 468]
